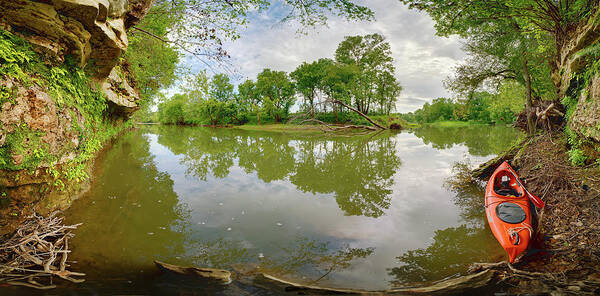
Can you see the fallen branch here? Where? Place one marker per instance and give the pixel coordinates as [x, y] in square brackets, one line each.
[32, 251]
[454, 286]
[358, 112]
[219, 275]
[338, 128]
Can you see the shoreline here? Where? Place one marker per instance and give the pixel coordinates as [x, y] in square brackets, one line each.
[565, 254]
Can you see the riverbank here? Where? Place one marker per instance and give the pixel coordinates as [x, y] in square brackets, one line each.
[566, 258]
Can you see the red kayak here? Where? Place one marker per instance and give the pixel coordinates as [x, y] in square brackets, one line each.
[509, 211]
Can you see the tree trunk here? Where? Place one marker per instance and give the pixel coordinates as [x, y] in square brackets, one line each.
[336, 114]
[312, 102]
[258, 115]
[529, 100]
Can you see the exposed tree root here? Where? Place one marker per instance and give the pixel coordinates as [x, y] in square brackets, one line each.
[548, 115]
[38, 250]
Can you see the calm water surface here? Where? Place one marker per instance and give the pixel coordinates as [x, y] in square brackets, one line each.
[370, 212]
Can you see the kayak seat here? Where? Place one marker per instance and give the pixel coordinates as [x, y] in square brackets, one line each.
[510, 213]
[507, 191]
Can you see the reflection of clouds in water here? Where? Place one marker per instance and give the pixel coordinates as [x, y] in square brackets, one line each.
[418, 203]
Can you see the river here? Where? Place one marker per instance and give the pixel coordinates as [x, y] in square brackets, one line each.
[371, 212]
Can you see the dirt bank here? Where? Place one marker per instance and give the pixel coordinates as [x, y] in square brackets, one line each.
[566, 256]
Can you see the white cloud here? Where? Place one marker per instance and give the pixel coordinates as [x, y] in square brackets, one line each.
[422, 59]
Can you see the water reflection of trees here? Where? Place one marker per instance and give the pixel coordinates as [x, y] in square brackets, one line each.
[134, 220]
[481, 140]
[314, 260]
[453, 249]
[357, 171]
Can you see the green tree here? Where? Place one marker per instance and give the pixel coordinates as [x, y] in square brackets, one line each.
[153, 63]
[338, 83]
[387, 91]
[219, 112]
[507, 103]
[220, 88]
[308, 78]
[171, 111]
[557, 21]
[505, 53]
[276, 91]
[438, 110]
[478, 106]
[249, 98]
[197, 89]
[247, 94]
[371, 55]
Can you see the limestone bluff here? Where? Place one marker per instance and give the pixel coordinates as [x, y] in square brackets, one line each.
[64, 91]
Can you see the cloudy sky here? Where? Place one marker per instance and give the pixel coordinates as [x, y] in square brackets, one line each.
[422, 59]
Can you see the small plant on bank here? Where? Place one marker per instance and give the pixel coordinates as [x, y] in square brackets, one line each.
[577, 157]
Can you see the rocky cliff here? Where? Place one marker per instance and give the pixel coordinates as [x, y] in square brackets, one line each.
[577, 77]
[64, 91]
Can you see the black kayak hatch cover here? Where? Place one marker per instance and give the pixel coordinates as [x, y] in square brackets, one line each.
[510, 213]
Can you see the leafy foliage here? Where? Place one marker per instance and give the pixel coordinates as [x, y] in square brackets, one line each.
[483, 107]
[371, 55]
[201, 27]
[205, 101]
[277, 92]
[152, 62]
[69, 87]
[509, 35]
[221, 89]
[577, 157]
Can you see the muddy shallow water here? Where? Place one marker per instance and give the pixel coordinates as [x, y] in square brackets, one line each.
[369, 212]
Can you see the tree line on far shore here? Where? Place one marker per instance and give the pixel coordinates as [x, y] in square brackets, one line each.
[361, 76]
[501, 107]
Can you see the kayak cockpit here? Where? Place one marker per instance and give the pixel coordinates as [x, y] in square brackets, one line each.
[505, 184]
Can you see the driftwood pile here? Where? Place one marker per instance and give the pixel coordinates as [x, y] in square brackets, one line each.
[37, 252]
[548, 115]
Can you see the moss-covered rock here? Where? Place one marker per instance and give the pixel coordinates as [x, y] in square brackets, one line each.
[585, 119]
[80, 28]
[569, 60]
[54, 114]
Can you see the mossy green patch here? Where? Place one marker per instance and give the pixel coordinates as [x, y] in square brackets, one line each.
[70, 88]
[24, 149]
[578, 89]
